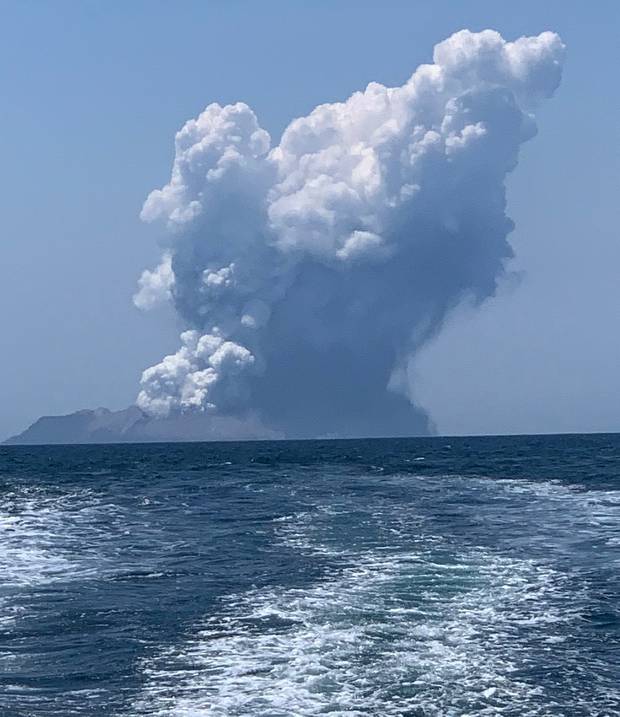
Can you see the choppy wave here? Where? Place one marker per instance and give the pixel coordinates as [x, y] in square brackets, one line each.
[46, 539]
[410, 627]
[288, 580]
[394, 634]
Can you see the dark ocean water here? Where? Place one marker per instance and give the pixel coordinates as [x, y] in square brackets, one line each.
[438, 577]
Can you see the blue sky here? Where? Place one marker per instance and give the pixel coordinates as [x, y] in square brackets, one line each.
[93, 93]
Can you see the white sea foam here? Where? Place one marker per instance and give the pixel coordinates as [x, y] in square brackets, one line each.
[433, 629]
[29, 554]
[392, 634]
[50, 538]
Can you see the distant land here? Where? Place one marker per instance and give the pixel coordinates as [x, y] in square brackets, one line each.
[132, 425]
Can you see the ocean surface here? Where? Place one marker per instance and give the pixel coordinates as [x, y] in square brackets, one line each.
[412, 577]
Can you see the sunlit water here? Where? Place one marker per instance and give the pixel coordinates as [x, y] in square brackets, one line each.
[421, 577]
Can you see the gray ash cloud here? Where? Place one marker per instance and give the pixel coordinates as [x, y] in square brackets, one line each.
[308, 273]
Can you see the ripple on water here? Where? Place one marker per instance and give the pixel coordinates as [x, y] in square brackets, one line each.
[422, 627]
[395, 634]
[424, 596]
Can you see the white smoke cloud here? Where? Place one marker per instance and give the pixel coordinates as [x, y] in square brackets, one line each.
[309, 272]
[195, 375]
[154, 287]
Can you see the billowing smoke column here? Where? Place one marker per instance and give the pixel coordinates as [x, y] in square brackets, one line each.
[308, 273]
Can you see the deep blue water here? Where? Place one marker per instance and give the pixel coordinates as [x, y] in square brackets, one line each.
[418, 577]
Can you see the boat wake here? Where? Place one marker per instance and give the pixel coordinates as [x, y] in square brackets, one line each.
[415, 624]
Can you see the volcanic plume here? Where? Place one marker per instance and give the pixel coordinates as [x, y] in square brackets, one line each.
[309, 272]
